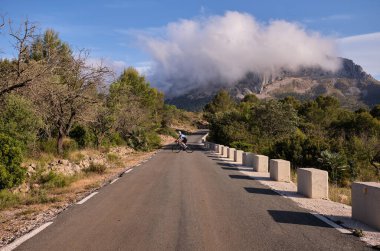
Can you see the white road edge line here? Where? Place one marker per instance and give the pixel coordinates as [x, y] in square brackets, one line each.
[322, 218]
[114, 181]
[26, 237]
[331, 223]
[129, 170]
[87, 198]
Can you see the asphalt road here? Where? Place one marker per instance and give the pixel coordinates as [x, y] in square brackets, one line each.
[188, 201]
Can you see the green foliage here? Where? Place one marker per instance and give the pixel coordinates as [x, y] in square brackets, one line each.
[221, 102]
[19, 121]
[11, 173]
[53, 180]
[81, 135]
[375, 111]
[241, 145]
[316, 133]
[144, 141]
[335, 164]
[8, 199]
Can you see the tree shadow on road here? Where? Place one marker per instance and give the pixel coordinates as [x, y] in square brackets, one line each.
[264, 191]
[297, 218]
[241, 177]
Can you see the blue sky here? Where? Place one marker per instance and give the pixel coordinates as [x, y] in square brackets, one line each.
[108, 28]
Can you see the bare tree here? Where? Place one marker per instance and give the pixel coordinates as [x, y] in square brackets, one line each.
[69, 94]
[22, 71]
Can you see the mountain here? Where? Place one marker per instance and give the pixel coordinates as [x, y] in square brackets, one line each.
[351, 85]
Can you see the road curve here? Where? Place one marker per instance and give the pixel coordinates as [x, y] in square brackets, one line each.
[188, 201]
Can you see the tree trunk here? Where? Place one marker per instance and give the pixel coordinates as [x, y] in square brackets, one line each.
[60, 143]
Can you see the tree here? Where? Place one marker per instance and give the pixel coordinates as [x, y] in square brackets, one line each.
[221, 102]
[102, 123]
[23, 70]
[375, 111]
[135, 104]
[274, 120]
[11, 173]
[19, 120]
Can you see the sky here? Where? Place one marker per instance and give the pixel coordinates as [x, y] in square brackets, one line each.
[143, 33]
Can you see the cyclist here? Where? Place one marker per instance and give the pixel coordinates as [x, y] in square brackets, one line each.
[182, 140]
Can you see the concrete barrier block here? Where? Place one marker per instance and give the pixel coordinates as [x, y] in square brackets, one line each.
[238, 157]
[224, 151]
[366, 203]
[279, 170]
[247, 159]
[231, 153]
[220, 149]
[313, 183]
[260, 163]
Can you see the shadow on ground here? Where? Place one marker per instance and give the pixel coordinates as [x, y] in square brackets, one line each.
[297, 218]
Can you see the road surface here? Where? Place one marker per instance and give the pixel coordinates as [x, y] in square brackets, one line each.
[188, 201]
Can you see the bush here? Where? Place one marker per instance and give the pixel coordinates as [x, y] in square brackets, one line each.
[112, 157]
[11, 172]
[53, 180]
[246, 147]
[168, 131]
[69, 145]
[80, 135]
[19, 121]
[48, 146]
[144, 141]
[96, 168]
[8, 199]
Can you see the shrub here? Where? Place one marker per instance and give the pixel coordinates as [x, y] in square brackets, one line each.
[8, 199]
[95, 168]
[11, 173]
[48, 146]
[144, 141]
[81, 136]
[19, 121]
[112, 157]
[240, 145]
[53, 180]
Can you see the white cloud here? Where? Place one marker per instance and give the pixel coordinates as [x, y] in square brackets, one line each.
[363, 50]
[222, 49]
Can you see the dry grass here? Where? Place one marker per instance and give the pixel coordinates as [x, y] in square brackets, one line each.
[340, 194]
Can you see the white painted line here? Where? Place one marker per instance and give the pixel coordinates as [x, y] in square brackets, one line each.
[331, 223]
[87, 198]
[114, 181]
[129, 170]
[26, 237]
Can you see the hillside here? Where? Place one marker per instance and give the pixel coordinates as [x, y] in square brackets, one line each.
[351, 85]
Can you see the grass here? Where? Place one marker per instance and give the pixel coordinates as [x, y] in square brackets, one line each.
[340, 194]
[37, 196]
[95, 168]
[8, 199]
[112, 157]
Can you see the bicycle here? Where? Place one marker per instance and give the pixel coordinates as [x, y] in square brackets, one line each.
[180, 147]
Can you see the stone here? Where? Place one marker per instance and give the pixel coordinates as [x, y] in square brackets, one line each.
[279, 170]
[238, 157]
[313, 183]
[260, 163]
[366, 203]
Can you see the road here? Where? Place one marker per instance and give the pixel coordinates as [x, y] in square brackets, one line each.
[188, 201]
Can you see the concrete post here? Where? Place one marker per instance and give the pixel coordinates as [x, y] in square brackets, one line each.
[231, 153]
[260, 163]
[238, 157]
[279, 170]
[313, 183]
[225, 151]
[248, 159]
[220, 150]
[366, 203]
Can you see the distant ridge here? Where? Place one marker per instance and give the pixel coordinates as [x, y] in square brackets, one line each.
[351, 85]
